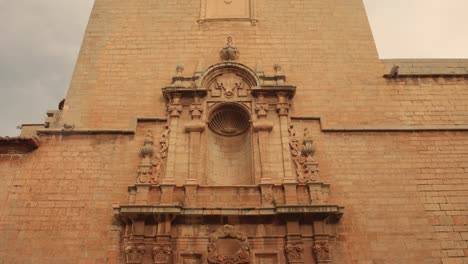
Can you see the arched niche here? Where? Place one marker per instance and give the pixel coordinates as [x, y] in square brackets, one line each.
[229, 156]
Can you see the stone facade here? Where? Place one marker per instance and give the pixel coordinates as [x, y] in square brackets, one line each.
[241, 131]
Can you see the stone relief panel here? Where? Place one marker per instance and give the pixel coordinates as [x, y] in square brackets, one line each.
[228, 86]
[226, 9]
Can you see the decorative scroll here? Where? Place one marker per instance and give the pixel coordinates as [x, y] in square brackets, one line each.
[240, 256]
[294, 251]
[303, 158]
[134, 254]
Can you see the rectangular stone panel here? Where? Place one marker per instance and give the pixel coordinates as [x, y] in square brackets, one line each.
[219, 9]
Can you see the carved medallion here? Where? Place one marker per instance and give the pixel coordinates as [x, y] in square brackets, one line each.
[228, 246]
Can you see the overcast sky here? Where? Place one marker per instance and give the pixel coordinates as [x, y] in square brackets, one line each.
[40, 41]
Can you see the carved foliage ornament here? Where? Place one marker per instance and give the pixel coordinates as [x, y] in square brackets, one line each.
[240, 256]
[303, 158]
[134, 254]
[294, 251]
[322, 252]
[162, 253]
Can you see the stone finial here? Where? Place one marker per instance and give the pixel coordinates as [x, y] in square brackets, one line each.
[308, 148]
[278, 70]
[179, 69]
[229, 53]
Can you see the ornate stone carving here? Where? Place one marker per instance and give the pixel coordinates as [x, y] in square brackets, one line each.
[162, 253]
[294, 251]
[229, 120]
[149, 170]
[134, 254]
[145, 169]
[241, 251]
[229, 85]
[261, 108]
[229, 53]
[283, 104]
[174, 108]
[303, 158]
[196, 109]
[322, 252]
[160, 159]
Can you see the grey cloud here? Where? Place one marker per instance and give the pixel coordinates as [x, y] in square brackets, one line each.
[39, 45]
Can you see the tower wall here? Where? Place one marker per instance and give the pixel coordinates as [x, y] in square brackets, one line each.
[392, 151]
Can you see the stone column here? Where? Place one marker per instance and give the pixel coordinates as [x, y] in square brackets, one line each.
[322, 247]
[294, 248]
[167, 185]
[195, 128]
[289, 181]
[162, 249]
[262, 126]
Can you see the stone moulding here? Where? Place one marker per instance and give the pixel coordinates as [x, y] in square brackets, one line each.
[18, 145]
[317, 211]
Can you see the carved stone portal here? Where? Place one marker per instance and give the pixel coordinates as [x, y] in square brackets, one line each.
[228, 246]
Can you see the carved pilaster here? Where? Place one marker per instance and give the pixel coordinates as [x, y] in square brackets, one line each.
[294, 251]
[134, 253]
[283, 112]
[195, 127]
[174, 109]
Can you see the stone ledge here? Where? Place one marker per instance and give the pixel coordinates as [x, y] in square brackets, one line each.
[318, 210]
[383, 128]
[427, 68]
[18, 145]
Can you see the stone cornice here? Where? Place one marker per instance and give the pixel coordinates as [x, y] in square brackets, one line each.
[320, 211]
[18, 145]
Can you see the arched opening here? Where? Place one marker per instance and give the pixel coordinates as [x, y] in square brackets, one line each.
[229, 146]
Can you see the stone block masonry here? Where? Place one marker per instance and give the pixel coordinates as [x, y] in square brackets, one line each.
[243, 131]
